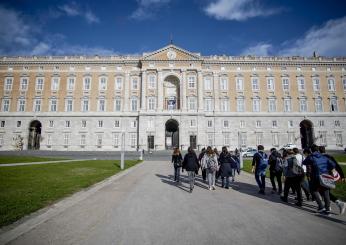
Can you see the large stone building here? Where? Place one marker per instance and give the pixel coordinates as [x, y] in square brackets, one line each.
[171, 97]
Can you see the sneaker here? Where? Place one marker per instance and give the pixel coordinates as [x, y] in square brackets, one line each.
[210, 188]
[342, 207]
[326, 212]
[233, 180]
[227, 187]
[191, 190]
[213, 187]
[321, 210]
[262, 192]
[299, 204]
[283, 199]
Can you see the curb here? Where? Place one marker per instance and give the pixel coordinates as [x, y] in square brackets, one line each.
[38, 163]
[32, 220]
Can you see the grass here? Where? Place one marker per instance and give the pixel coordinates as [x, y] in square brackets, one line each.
[23, 159]
[25, 189]
[339, 191]
[340, 157]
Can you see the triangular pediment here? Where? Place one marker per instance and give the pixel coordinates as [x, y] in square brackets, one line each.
[171, 52]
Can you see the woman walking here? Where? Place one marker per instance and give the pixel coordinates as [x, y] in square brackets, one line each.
[177, 160]
[209, 162]
[225, 167]
[190, 164]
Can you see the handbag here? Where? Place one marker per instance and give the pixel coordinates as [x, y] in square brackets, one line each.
[328, 181]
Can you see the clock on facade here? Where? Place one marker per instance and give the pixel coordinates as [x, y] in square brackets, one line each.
[171, 55]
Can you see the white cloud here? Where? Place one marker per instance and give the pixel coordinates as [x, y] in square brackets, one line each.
[147, 8]
[260, 49]
[73, 9]
[327, 40]
[238, 10]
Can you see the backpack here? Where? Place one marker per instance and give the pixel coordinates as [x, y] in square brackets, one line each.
[211, 164]
[296, 169]
[263, 163]
[279, 164]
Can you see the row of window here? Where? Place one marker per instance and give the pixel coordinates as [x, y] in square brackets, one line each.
[208, 83]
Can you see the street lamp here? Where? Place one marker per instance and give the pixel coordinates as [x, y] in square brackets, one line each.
[122, 150]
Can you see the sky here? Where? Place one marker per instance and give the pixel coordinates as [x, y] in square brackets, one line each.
[209, 27]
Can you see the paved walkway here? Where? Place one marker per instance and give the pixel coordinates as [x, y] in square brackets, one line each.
[37, 163]
[147, 207]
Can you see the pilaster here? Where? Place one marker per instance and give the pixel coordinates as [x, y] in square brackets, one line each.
[144, 91]
[200, 91]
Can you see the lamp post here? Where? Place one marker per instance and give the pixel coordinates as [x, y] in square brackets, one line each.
[122, 164]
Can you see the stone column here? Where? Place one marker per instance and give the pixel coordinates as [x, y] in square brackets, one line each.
[183, 97]
[216, 92]
[200, 91]
[144, 91]
[159, 91]
[127, 92]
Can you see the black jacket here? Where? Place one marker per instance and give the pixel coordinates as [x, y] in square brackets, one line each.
[272, 160]
[176, 158]
[225, 165]
[190, 162]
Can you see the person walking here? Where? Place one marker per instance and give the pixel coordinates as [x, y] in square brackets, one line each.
[200, 157]
[177, 160]
[209, 162]
[259, 167]
[293, 176]
[320, 164]
[190, 164]
[275, 169]
[235, 165]
[303, 184]
[225, 167]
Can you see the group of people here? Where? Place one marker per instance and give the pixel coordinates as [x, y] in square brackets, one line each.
[212, 164]
[299, 172]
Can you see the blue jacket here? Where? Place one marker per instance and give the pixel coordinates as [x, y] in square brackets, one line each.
[321, 164]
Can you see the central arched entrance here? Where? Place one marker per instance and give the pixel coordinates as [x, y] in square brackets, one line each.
[172, 134]
[34, 135]
[306, 133]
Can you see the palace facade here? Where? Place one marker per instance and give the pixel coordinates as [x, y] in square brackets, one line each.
[171, 97]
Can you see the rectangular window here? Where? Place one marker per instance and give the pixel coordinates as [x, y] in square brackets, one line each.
[318, 105]
[133, 124]
[287, 105]
[118, 83]
[117, 104]
[103, 83]
[333, 104]
[344, 83]
[301, 84]
[259, 138]
[102, 105]
[274, 124]
[83, 139]
[53, 105]
[2, 124]
[8, 83]
[99, 140]
[338, 137]
[224, 105]
[67, 137]
[270, 84]
[100, 123]
[1, 139]
[134, 104]
[226, 139]
[275, 138]
[19, 124]
[207, 83]
[255, 83]
[39, 84]
[323, 137]
[192, 103]
[256, 105]
[242, 139]
[291, 137]
[331, 84]
[337, 123]
[191, 82]
[226, 124]
[290, 124]
[70, 83]
[37, 105]
[51, 123]
[117, 124]
[285, 84]
[85, 105]
[239, 84]
[134, 83]
[49, 139]
[316, 84]
[240, 105]
[21, 105]
[152, 82]
[193, 123]
[67, 124]
[210, 123]
[272, 105]
[242, 124]
[55, 84]
[24, 82]
[5, 105]
[133, 140]
[223, 83]
[210, 139]
[258, 124]
[151, 103]
[321, 123]
[69, 105]
[86, 83]
[116, 141]
[208, 104]
[83, 124]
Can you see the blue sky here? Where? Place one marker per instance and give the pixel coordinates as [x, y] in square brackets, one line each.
[231, 27]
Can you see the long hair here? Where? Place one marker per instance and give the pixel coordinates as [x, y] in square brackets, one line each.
[190, 150]
[210, 151]
[176, 151]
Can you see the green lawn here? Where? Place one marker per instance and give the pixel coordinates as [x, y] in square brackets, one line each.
[339, 191]
[20, 159]
[25, 189]
[340, 157]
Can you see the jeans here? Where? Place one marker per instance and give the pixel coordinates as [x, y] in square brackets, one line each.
[191, 175]
[261, 181]
[277, 175]
[293, 182]
[211, 178]
[325, 193]
[177, 174]
[225, 181]
[204, 174]
[233, 173]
